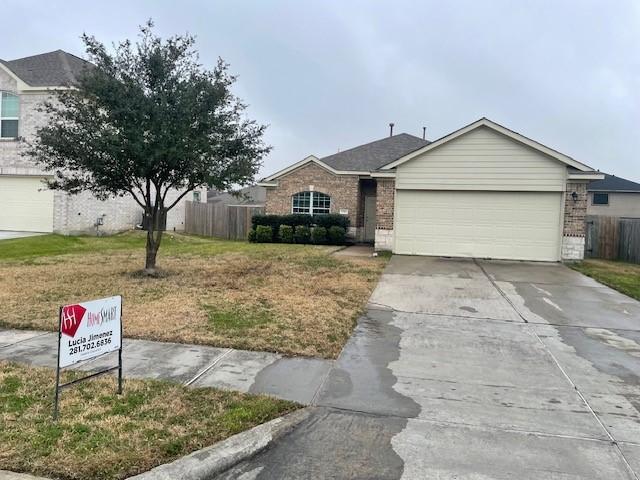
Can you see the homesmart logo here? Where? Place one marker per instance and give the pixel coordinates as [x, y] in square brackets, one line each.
[72, 316]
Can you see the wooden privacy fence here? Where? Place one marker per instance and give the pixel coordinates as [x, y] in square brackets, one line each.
[613, 238]
[222, 221]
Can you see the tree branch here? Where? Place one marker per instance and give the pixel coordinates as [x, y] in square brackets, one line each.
[179, 198]
[136, 198]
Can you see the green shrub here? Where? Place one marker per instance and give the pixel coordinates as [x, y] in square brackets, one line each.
[330, 220]
[252, 235]
[337, 235]
[327, 221]
[302, 234]
[264, 234]
[319, 235]
[285, 233]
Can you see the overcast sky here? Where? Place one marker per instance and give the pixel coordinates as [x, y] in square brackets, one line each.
[330, 75]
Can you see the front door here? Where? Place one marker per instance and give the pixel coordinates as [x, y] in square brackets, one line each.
[369, 218]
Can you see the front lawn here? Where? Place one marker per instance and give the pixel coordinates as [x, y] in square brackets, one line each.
[293, 299]
[621, 276]
[101, 435]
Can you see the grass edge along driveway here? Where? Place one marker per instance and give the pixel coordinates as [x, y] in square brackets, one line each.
[103, 436]
[621, 276]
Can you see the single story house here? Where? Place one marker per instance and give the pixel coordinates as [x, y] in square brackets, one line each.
[25, 202]
[482, 191]
[614, 196]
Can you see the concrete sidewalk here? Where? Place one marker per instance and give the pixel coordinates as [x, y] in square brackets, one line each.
[296, 379]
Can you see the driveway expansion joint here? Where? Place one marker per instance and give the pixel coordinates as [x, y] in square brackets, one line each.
[611, 440]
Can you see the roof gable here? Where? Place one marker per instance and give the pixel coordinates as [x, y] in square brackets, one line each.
[485, 122]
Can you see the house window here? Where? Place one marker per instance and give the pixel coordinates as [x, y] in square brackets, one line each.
[8, 115]
[196, 196]
[312, 203]
[601, 199]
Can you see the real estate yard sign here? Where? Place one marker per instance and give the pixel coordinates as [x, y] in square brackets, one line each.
[86, 331]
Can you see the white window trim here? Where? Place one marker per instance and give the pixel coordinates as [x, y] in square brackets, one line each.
[312, 193]
[9, 118]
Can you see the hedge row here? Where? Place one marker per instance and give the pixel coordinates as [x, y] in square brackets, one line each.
[297, 219]
[334, 235]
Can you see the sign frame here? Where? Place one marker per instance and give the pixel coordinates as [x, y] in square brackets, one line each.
[59, 387]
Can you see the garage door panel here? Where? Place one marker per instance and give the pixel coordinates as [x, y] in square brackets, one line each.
[509, 225]
[25, 205]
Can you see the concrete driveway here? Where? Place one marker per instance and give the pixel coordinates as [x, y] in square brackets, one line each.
[466, 369]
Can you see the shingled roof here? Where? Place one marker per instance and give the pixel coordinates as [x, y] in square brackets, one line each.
[611, 183]
[52, 69]
[372, 156]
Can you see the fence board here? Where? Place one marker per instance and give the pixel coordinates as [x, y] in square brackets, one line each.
[613, 238]
[221, 221]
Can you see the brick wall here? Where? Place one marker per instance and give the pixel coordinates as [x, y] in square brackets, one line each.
[575, 211]
[384, 203]
[76, 214]
[573, 234]
[343, 190]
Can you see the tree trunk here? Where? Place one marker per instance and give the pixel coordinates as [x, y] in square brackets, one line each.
[152, 252]
[154, 237]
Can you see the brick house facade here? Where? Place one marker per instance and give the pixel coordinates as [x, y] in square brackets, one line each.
[342, 189]
[353, 176]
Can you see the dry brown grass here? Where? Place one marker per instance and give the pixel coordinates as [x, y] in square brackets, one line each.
[104, 436]
[291, 299]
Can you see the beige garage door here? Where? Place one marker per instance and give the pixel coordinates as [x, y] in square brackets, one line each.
[508, 225]
[23, 206]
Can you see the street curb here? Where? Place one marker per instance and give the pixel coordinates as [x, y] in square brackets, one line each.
[209, 461]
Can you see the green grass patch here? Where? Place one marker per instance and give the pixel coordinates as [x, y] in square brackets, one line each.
[104, 436]
[239, 317]
[50, 245]
[621, 276]
[31, 248]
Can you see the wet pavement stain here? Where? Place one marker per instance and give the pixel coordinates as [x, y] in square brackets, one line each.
[603, 356]
[358, 410]
[469, 309]
[311, 450]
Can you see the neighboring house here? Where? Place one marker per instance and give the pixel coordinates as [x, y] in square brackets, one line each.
[252, 195]
[481, 191]
[25, 203]
[614, 196]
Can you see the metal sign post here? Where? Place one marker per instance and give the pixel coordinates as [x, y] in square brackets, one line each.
[86, 331]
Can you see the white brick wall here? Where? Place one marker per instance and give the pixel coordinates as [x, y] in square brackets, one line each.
[384, 239]
[77, 214]
[572, 248]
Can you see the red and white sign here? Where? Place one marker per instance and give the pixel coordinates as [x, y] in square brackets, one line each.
[90, 329]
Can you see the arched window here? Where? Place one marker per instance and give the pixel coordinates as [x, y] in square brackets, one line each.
[312, 203]
[9, 108]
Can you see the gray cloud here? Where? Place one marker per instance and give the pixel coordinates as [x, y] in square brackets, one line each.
[329, 75]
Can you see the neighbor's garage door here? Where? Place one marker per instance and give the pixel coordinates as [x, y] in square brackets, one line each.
[23, 207]
[508, 225]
